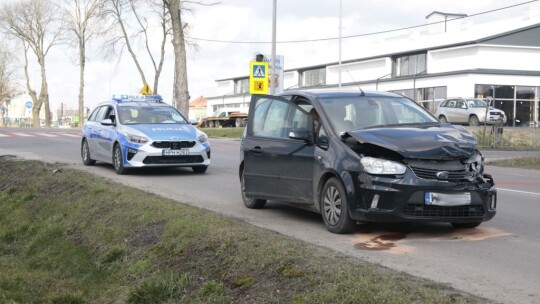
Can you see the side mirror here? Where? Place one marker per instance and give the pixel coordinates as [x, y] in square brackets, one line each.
[301, 134]
[107, 122]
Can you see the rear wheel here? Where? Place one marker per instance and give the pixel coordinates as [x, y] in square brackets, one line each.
[250, 202]
[118, 160]
[474, 121]
[199, 169]
[85, 154]
[334, 207]
[443, 119]
[466, 225]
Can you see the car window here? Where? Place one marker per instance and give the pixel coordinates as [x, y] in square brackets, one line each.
[460, 104]
[276, 118]
[94, 114]
[352, 113]
[150, 115]
[101, 113]
[451, 103]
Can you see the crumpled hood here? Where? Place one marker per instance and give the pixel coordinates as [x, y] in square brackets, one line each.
[167, 132]
[438, 142]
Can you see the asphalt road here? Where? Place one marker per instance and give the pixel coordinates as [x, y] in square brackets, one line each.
[498, 260]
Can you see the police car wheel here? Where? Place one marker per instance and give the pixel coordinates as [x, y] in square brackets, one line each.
[199, 169]
[118, 160]
[85, 154]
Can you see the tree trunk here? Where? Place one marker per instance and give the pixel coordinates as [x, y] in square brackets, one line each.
[82, 62]
[180, 90]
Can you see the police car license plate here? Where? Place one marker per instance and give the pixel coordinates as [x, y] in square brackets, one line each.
[447, 199]
[175, 152]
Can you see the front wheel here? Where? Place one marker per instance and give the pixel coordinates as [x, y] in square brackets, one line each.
[250, 202]
[85, 154]
[118, 160]
[466, 225]
[334, 207]
[474, 121]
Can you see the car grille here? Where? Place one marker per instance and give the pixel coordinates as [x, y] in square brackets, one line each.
[444, 211]
[174, 145]
[181, 159]
[453, 175]
[495, 113]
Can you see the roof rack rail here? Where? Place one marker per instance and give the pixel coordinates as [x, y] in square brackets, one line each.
[130, 98]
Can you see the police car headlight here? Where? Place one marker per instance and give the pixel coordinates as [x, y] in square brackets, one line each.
[382, 166]
[136, 139]
[202, 137]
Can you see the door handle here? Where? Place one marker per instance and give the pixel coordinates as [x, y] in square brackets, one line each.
[256, 150]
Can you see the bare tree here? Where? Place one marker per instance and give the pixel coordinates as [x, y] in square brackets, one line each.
[7, 80]
[81, 18]
[36, 24]
[123, 35]
[176, 9]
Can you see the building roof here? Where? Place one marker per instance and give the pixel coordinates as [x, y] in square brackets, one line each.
[199, 102]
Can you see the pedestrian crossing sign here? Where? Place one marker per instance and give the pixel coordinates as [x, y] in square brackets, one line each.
[258, 77]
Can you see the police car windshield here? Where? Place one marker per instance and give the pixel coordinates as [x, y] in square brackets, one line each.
[150, 115]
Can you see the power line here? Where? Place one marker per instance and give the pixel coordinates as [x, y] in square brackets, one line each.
[360, 35]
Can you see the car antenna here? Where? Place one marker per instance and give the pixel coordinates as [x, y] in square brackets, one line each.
[361, 91]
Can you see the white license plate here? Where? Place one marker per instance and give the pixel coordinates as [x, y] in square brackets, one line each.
[175, 152]
[447, 199]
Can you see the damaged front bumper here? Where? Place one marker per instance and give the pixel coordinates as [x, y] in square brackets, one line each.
[410, 198]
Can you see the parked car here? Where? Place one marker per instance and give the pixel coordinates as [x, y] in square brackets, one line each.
[133, 132]
[362, 156]
[470, 111]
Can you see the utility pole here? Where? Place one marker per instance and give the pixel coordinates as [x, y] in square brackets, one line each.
[340, 17]
[272, 79]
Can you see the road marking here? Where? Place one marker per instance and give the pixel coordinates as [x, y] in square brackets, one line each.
[519, 191]
[23, 134]
[69, 134]
[46, 134]
[3, 135]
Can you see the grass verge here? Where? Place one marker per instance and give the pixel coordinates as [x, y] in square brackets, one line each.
[224, 132]
[523, 162]
[71, 237]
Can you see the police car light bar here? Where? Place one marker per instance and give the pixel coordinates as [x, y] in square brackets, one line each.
[118, 98]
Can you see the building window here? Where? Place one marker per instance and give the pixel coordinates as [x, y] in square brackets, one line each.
[429, 98]
[241, 86]
[313, 78]
[409, 65]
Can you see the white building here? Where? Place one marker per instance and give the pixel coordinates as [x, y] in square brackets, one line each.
[450, 57]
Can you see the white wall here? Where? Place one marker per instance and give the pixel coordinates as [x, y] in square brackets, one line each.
[359, 71]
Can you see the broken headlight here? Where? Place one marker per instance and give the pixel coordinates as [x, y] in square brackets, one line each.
[382, 166]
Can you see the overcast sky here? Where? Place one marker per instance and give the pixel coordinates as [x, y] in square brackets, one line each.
[251, 21]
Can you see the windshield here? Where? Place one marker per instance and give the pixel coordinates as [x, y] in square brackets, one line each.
[359, 112]
[149, 115]
[476, 103]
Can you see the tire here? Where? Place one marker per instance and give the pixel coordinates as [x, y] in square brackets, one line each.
[199, 169]
[474, 121]
[118, 160]
[443, 119]
[335, 207]
[250, 202]
[85, 154]
[466, 225]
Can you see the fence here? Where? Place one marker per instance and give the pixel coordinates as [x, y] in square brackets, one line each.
[507, 138]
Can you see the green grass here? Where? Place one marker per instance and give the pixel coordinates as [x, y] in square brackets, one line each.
[71, 237]
[224, 132]
[524, 162]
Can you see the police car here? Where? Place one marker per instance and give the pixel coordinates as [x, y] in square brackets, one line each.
[142, 131]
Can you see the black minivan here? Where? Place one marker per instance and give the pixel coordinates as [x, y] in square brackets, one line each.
[362, 156]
